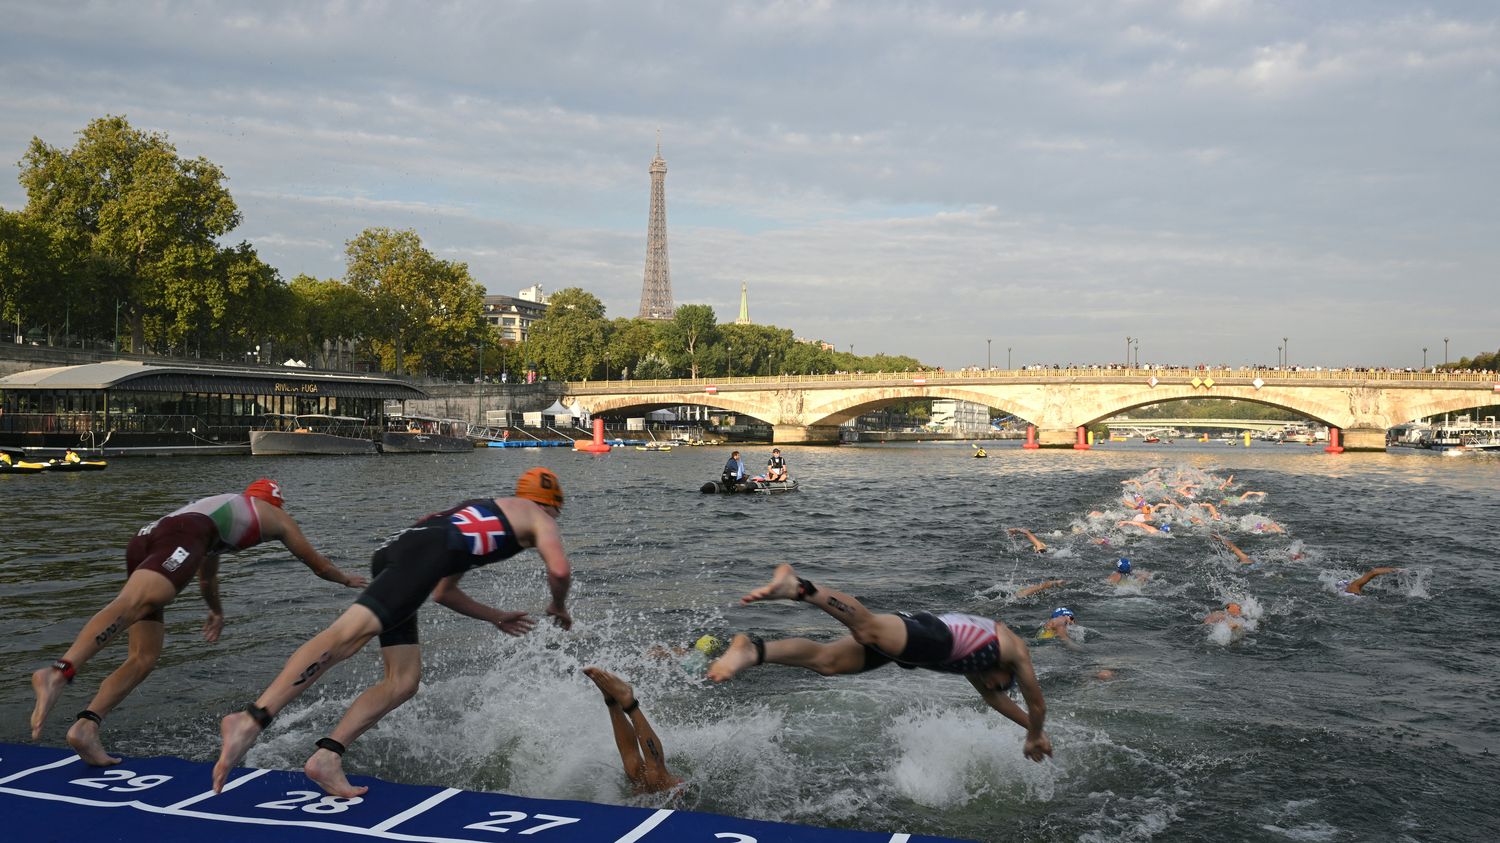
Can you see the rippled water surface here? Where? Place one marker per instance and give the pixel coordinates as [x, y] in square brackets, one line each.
[1331, 719]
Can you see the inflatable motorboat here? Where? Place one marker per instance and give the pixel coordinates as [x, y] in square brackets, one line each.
[748, 487]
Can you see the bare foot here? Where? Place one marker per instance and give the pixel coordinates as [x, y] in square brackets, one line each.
[783, 586]
[84, 738]
[239, 732]
[326, 769]
[46, 684]
[612, 686]
[740, 655]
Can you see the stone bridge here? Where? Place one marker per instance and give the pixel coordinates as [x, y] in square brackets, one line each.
[808, 409]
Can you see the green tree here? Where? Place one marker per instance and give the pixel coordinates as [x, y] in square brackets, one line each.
[693, 327]
[630, 342]
[415, 301]
[151, 216]
[570, 340]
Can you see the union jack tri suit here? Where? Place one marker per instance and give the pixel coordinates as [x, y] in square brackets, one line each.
[409, 566]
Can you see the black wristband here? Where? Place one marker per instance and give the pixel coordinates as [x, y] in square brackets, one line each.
[261, 717]
[331, 745]
[89, 715]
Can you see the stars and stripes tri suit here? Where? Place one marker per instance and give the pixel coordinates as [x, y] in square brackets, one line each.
[951, 643]
[175, 544]
[408, 567]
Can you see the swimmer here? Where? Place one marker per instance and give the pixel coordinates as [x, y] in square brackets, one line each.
[1356, 587]
[1036, 543]
[1043, 586]
[1257, 496]
[640, 749]
[1238, 554]
[1057, 626]
[160, 561]
[1232, 614]
[429, 558]
[694, 659]
[1268, 527]
[1225, 484]
[1140, 522]
[1126, 574]
[984, 651]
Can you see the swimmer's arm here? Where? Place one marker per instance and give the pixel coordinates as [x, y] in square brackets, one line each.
[448, 595]
[1037, 744]
[1358, 586]
[1001, 702]
[559, 571]
[1033, 589]
[208, 586]
[291, 536]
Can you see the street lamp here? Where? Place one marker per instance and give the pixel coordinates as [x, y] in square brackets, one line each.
[1278, 357]
[1127, 351]
[1137, 343]
[1286, 352]
[1007, 357]
[1424, 357]
[1445, 352]
[731, 360]
[987, 364]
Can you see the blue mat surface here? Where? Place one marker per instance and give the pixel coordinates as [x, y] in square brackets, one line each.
[48, 794]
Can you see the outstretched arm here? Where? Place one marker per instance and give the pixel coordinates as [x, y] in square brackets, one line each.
[1036, 543]
[559, 571]
[208, 586]
[448, 595]
[1043, 586]
[1358, 586]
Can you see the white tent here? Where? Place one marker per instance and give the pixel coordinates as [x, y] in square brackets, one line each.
[557, 409]
[579, 413]
[662, 416]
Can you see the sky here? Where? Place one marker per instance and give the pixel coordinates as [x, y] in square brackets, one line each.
[964, 183]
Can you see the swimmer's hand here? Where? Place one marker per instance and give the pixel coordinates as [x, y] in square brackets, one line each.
[1038, 747]
[560, 616]
[212, 627]
[514, 623]
[355, 581]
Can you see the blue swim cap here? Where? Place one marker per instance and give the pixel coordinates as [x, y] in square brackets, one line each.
[1165, 528]
[1060, 612]
[1123, 566]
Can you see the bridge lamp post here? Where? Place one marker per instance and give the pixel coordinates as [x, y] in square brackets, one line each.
[988, 364]
[1137, 343]
[1424, 357]
[1127, 351]
[1278, 357]
[1007, 357]
[731, 360]
[1286, 352]
[1445, 351]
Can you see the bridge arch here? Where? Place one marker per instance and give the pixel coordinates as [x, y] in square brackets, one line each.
[845, 408]
[1318, 411]
[647, 403]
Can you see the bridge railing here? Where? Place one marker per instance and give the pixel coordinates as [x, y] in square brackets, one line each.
[1174, 374]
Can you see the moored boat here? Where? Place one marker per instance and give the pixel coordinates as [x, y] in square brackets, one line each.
[749, 487]
[314, 433]
[425, 435]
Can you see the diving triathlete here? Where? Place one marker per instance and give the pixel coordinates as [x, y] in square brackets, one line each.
[640, 749]
[429, 557]
[984, 651]
[159, 562]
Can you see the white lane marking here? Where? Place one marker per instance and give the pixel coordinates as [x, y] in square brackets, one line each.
[900, 837]
[62, 763]
[191, 800]
[651, 822]
[416, 809]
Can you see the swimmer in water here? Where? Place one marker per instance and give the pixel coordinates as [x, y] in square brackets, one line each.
[1356, 587]
[1036, 543]
[640, 749]
[982, 650]
[1238, 554]
[1042, 586]
[1127, 574]
[1057, 626]
[1232, 614]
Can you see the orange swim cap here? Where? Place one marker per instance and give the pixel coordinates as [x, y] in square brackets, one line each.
[542, 486]
[267, 490]
[1233, 609]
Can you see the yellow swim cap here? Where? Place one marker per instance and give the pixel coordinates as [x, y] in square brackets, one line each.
[709, 646]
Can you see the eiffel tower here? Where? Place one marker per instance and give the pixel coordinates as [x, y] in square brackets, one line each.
[656, 291]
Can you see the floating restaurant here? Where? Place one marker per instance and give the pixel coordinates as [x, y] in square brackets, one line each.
[123, 406]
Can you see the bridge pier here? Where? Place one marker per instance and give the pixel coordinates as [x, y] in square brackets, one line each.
[1364, 439]
[812, 434]
[1064, 437]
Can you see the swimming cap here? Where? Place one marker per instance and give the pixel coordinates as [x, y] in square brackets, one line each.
[542, 486]
[1123, 566]
[709, 646]
[1061, 612]
[267, 490]
[1233, 609]
[1165, 528]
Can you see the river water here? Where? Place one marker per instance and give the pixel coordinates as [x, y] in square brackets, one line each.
[1331, 718]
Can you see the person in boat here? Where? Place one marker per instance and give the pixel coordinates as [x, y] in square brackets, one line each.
[71, 456]
[1356, 587]
[159, 562]
[5, 459]
[983, 651]
[428, 558]
[776, 471]
[1036, 544]
[640, 749]
[734, 470]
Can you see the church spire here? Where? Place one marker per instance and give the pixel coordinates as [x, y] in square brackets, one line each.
[744, 306]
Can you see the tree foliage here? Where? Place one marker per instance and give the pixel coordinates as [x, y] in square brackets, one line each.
[570, 340]
[693, 327]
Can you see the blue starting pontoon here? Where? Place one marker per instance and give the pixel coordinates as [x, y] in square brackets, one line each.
[49, 794]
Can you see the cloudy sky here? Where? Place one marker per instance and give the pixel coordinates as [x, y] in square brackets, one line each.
[932, 179]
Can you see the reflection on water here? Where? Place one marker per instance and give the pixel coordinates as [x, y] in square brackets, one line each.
[1321, 721]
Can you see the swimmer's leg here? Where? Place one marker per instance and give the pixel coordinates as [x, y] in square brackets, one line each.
[144, 593]
[640, 749]
[885, 632]
[403, 675]
[354, 628]
[146, 637]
